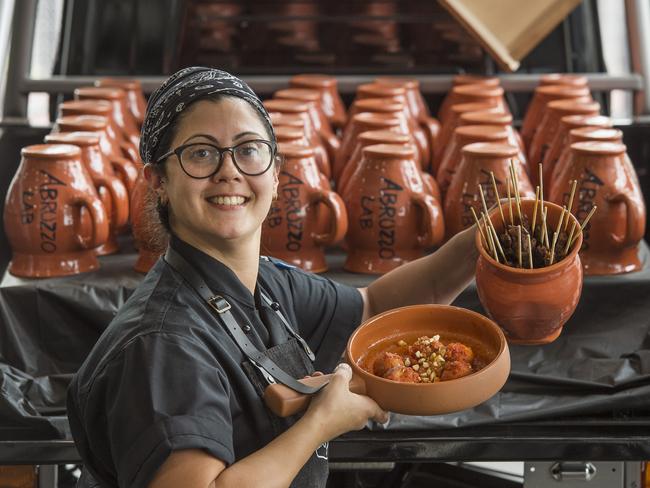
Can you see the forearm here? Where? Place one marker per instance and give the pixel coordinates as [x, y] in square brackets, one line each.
[277, 463]
[437, 278]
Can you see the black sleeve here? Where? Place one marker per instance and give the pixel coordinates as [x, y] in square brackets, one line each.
[162, 393]
[327, 312]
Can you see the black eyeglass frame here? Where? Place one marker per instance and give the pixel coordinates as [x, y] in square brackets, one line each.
[222, 150]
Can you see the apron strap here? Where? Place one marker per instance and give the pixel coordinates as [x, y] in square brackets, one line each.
[271, 371]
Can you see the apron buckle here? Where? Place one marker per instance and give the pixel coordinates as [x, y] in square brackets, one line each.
[219, 303]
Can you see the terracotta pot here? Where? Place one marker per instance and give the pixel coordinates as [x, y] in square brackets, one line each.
[541, 98]
[318, 118]
[561, 139]
[149, 236]
[565, 79]
[43, 214]
[530, 305]
[135, 97]
[373, 137]
[490, 117]
[110, 189]
[453, 121]
[331, 101]
[125, 169]
[121, 113]
[550, 125]
[463, 136]
[452, 324]
[361, 123]
[393, 218]
[291, 230]
[606, 179]
[478, 160]
[581, 135]
[417, 105]
[476, 93]
[460, 80]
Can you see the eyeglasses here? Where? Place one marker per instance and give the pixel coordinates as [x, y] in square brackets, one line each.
[202, 160]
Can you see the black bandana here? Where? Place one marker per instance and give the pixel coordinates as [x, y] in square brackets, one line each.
[179, 91]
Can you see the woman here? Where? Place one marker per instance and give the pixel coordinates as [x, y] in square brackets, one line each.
[170, 396]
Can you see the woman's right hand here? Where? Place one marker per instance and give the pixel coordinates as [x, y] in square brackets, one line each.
[336, 410]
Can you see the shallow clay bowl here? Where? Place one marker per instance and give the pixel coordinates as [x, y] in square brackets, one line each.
[409, 323]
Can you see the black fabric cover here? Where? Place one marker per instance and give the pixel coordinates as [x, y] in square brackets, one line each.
[600, 363]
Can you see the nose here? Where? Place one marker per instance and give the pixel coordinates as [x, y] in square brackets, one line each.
[228, 170]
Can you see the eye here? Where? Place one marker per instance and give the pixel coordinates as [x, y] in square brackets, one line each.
[248, 149]
[200, 153]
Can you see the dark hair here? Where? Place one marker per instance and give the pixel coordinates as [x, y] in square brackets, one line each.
[165, 146]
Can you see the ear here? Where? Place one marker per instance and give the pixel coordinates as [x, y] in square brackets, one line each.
[276, 182]
[155, 179]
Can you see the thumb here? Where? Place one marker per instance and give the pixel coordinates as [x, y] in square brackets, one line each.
[343, 370]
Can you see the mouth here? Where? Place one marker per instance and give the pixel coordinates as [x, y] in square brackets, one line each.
[229, 200]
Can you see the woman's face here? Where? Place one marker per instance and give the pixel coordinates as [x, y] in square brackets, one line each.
[228, 206]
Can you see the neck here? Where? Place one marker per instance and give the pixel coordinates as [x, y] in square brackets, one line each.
[241, 256]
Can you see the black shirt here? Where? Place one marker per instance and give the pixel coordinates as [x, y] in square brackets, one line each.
[166, 376]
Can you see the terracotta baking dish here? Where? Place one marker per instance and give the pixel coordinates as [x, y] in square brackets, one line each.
[409, 323]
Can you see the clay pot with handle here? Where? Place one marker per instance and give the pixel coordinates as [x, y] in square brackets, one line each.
[606, 179]
[541, 98]
[135, 97]
[566, 79]
[478, 160]
[110, 189]
[489, 117]
[291, 231]
[331, 101]
[43, 214]
[393, 218]
[530, 305]
[452, 97]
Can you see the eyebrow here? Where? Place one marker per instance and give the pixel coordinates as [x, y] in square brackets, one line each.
[214, 139]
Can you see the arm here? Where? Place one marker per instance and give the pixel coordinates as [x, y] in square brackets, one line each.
[436, 278]
[332, 412]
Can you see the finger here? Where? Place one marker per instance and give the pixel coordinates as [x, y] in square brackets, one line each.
[379, 415]
[317, 373]
[343, 371]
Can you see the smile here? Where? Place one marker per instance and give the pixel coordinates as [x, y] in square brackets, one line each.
[233, 200]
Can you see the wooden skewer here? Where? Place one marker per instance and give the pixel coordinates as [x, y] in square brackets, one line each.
[478, 224]
[541, 183]
[568, 241]
[586, 221]
[509, 200]
[530, 252]
[515, 183]
[532, 227]
[485, 207]
[519, 248]
[559, 224]
[544, 236]
[553, 248]
[496, 193]
[570, 206]
[495, 238]
[492, 245]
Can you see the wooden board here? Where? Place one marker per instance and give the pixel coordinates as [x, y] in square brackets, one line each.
[509, 29]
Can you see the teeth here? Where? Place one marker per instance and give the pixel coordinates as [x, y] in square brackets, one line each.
[238, 200]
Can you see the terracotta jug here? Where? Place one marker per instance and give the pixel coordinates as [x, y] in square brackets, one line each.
[490, 117]
[43, 214]
[550, 125]
[530, 305]
[318, 119]
[293, 123]
[565, 79]
[478, 160]
[125, 169]
[605, 179]
[110, 189]
[414, 97]
[453, 121]
[150, 238]
[477, 93]
[291, 230]
[331, 101]
[392, 217]
[135, 97]
[541, 98]
[451, 98]
[463, 136]
[118, 99]
[561, 139]
[361, 123]
[582, 134]
[370, 138]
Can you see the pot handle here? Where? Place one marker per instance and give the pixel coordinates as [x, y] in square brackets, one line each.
[130, 152]
[434, 227]
[431, 185]
[119, 210]
[635, 210]
[126, 171]
[283, 401]
[338, 217]
[99, 222]
[432, 128]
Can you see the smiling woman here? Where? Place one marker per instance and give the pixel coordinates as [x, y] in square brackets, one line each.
[171, 395]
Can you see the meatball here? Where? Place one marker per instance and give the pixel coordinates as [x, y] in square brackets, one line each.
[425, 346]
[402, 374]
[386, 361]
[457, 351]
[455, 369]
